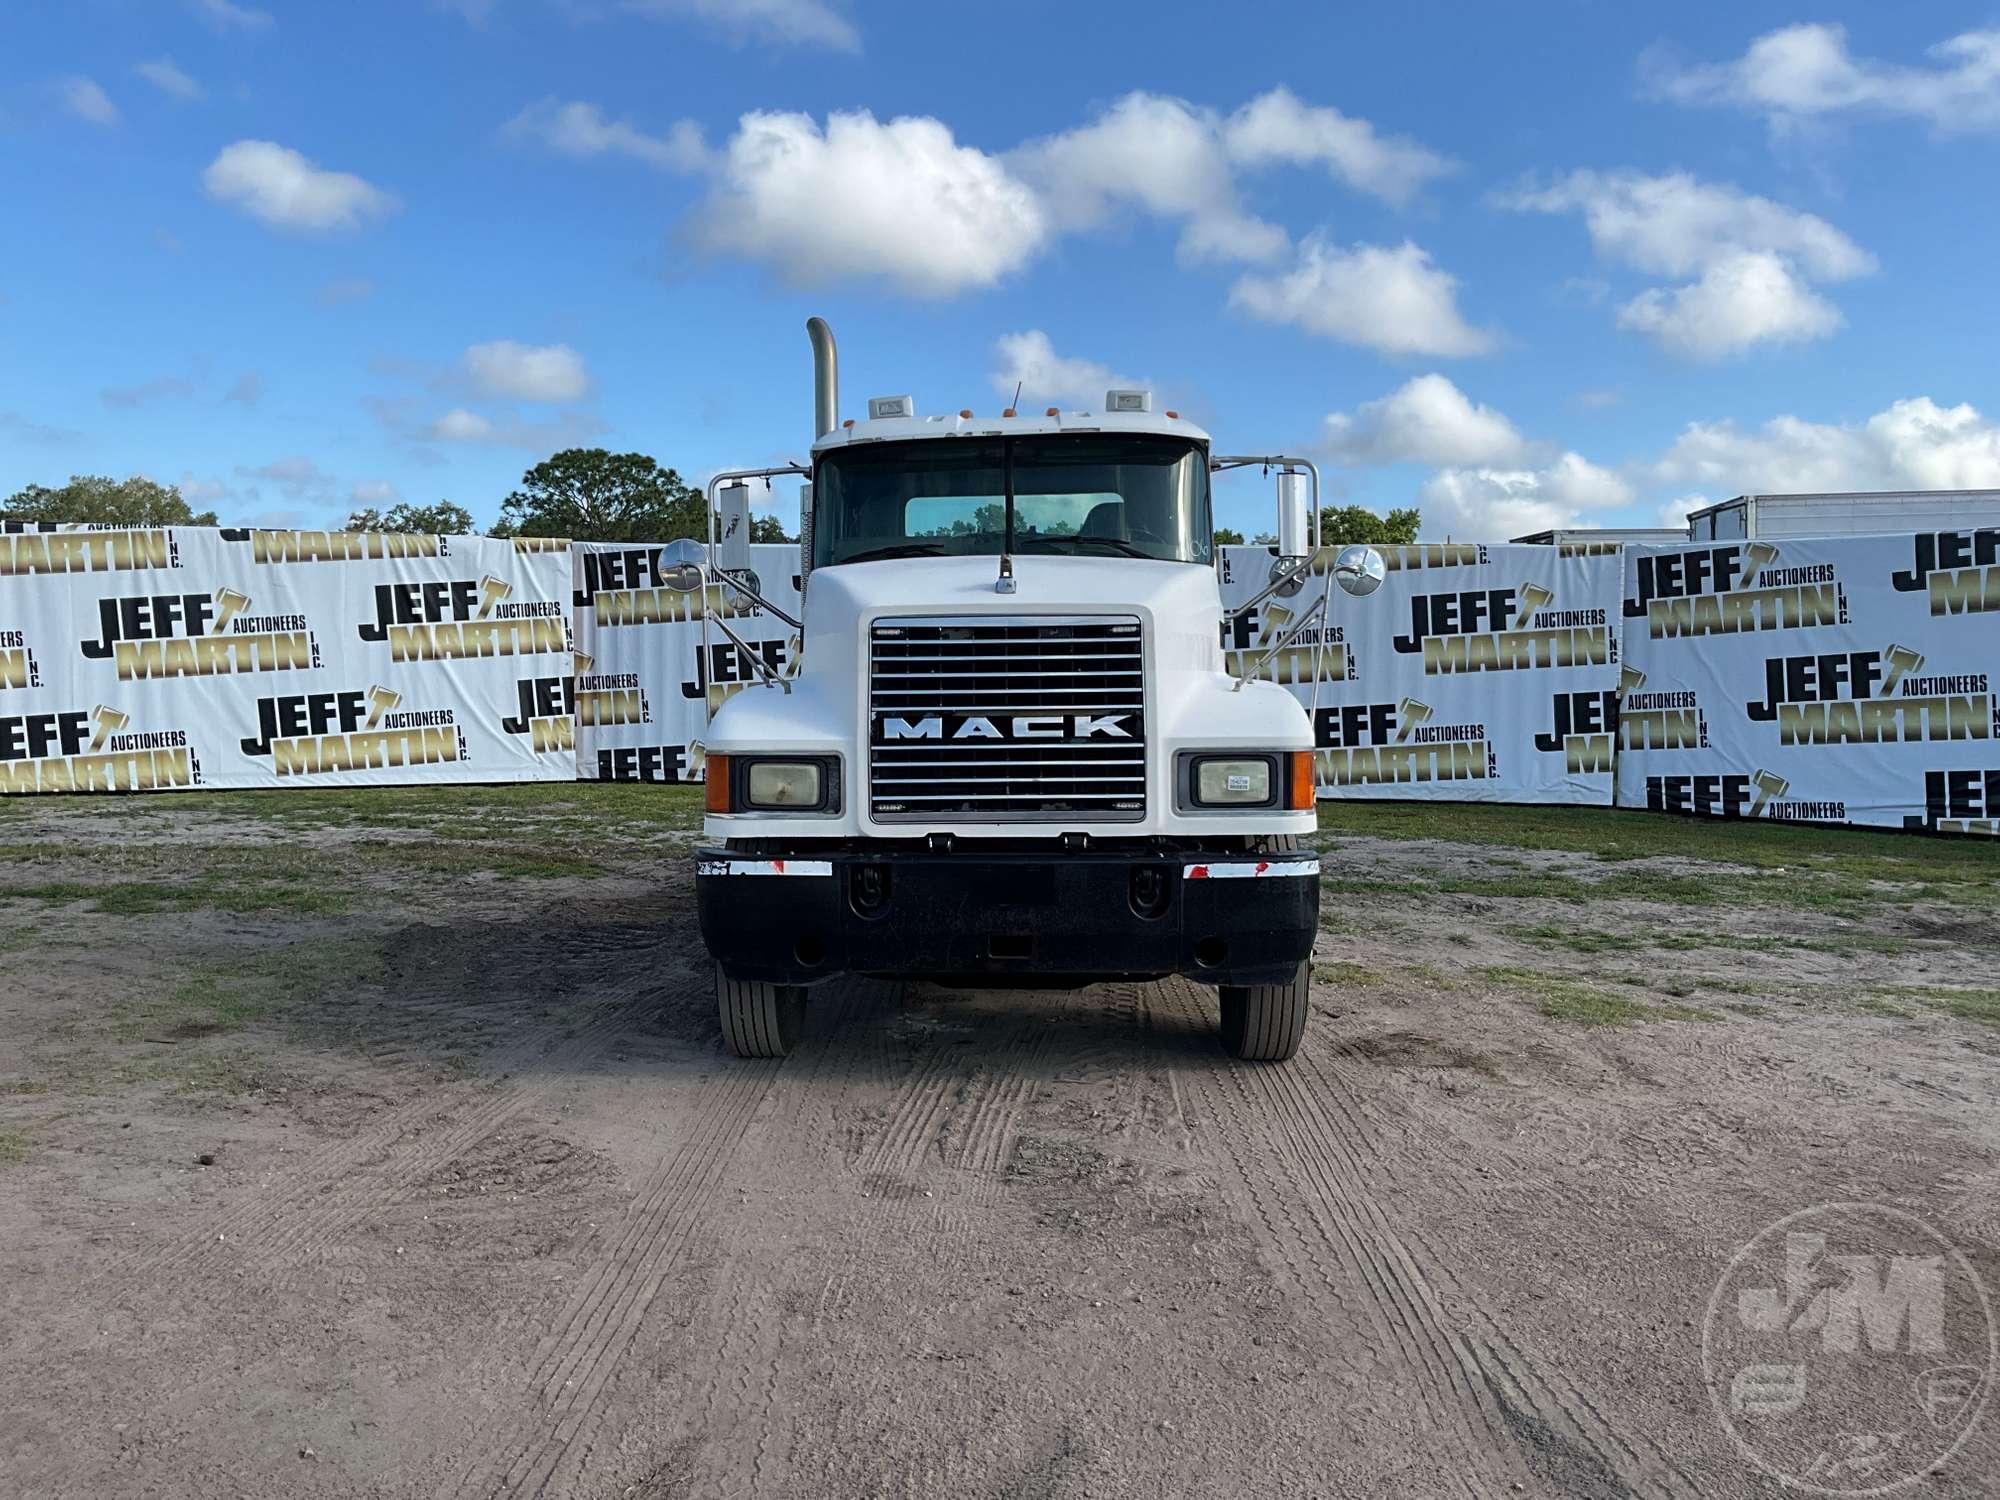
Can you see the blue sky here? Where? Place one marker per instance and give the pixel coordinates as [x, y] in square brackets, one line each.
[1575, 264]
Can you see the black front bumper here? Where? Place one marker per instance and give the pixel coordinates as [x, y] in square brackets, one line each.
[1045, 917]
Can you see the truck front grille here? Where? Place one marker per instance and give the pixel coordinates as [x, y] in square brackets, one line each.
[990, 719]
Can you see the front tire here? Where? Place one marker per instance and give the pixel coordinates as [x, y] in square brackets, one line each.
[759, 1019]
[1266, 1022]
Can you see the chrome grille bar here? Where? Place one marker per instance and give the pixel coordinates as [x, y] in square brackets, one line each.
[1007, 719]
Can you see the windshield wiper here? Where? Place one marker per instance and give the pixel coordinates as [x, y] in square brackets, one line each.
[899, 549]
[1118, 543]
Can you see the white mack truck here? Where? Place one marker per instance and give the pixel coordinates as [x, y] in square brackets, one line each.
[1012, 754]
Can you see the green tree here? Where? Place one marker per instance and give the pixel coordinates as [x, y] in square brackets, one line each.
[1228, 536]
[1347, 524]
[591, 495]
[91, 499]
[445, 518]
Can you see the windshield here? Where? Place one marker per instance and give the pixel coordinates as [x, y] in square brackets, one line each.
[1092, 495]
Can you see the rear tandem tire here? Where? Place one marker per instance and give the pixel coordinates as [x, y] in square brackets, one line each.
[1266, 1022]
[759, 1019]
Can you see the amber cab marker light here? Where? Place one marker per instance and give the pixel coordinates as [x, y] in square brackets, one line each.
[1052, 412]
[1008, 412]
[717, 784]
[1175, 415]
[966, 412]
[1302, 779]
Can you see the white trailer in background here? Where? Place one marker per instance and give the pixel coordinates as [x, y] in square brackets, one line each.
[1861, 513]
[1591, 541]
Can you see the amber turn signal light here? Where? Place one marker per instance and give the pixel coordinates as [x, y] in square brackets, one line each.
[717, 784]
[1300, 782]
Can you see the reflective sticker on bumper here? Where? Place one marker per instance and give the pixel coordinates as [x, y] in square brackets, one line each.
[764, 867]
[1260, 870]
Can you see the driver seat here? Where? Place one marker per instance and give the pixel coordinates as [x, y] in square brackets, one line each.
[1107, 519]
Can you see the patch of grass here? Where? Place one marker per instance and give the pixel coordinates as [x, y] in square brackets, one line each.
[1564, 999]
[585, 804]
[532, 864]
[20, 1087]
[209, 999]
[1431, 974]
[1355, 976]
[1967, 1005]
[1346, 886]
[13, 1147]
[1617, 834]
[1575, 939]
[140, 898]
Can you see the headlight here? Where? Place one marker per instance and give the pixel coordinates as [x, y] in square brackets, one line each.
[784, 784]
[1232, 782]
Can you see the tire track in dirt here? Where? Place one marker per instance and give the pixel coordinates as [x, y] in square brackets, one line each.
[1314, 1225]
[575, 1361]
[951, 1123]
[345, 1178]
[1487, 1396]
[1566, 1428]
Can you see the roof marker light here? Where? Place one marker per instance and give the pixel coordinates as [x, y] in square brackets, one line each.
[1008, 412]
[1052, 412]
[1175, 415]
[848, 423]
[966, 412]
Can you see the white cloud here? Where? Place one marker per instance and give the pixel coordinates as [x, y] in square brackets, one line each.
[564, 430]
[580, 129]
[915, 208]
[1164, 155]
[1278, 127]
[225, 15]
[298, 477]
[1798, 73]
[1913, 444]
[1675, 512]
[1489, 504]
[279, 186]
[527, 372]
[343, 290]
[377, 493]
[1393, 299]
[165, 388]
[1427, 421]
[1751, 259]
[1029, 360]
[807, 23]
[31, 431]
[1751, 298]
[1677, 225]
[461, 426]
[83, 98]
[163, 74]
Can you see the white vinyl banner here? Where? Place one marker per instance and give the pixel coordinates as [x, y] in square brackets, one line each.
[1474, 674]
[1828, 680]
[155, 659]
[651, 669]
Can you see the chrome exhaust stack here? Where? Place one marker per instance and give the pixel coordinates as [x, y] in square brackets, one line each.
[826, 378]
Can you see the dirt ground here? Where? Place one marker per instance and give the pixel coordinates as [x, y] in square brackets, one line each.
[383, 1144]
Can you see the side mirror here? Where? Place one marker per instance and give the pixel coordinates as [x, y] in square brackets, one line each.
[681, 565]
[1360, 570]
[1294, 516]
